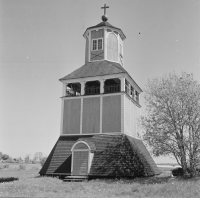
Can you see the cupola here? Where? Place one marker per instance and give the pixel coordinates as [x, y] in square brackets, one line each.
[104, 42]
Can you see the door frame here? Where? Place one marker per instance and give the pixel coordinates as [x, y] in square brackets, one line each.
[72, 150]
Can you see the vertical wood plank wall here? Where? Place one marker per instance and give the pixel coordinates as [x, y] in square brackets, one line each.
[131, 119]
[98, 54]
[111, 121]
[91, 115]
[112, 47]
[71, 116]
[97, 34]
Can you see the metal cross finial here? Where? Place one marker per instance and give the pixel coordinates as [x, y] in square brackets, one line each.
[104, 8]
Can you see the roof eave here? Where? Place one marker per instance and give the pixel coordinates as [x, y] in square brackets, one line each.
[94, 27]
[63, 79]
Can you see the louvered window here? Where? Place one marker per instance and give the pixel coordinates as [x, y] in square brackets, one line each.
[80, 162]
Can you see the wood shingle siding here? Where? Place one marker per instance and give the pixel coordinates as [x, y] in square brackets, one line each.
[114, 155]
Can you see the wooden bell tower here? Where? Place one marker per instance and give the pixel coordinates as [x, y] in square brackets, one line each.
[100, 111]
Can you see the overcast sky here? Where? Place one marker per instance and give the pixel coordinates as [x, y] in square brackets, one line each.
[41, 41]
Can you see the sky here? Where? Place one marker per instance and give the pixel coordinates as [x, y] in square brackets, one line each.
[42, 41]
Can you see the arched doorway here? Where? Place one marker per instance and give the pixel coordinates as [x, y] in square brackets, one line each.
[80, 158]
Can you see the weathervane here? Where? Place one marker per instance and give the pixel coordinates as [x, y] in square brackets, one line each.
[104, 17]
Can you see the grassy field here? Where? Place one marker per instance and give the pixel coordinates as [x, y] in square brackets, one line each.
[31, 185]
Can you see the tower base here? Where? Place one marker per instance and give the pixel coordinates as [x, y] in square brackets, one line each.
[109, 155]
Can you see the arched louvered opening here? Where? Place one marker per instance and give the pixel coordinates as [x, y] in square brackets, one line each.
[80, 158]
[112, 47]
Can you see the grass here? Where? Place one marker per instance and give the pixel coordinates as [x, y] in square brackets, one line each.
[31, 185]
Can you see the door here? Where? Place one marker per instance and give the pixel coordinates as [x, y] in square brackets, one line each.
[80, 162]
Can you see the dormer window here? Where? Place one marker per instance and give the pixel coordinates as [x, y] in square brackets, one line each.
[97, 44]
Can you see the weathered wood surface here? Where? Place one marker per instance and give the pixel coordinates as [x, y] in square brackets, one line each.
[97, 34]
[86, 50]
[111, 121]
[112, 47]
[80, 163]
[97, 55]
[91, 115]
[71, 116]
[131, 117]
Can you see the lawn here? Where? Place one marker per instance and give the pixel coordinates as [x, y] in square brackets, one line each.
[31, 185]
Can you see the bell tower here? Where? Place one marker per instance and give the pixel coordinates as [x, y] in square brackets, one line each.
[100, 114]
[104, 42]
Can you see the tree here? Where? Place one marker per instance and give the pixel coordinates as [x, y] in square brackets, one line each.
[38, 157]
[27, 158]
[5, 156]
[172, 121]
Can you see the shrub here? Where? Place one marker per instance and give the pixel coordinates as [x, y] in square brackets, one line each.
[179, 171]
[5, 156]
[8, 179]
[22, 167]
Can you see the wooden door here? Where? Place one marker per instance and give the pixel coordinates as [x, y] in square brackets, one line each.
[80, 162]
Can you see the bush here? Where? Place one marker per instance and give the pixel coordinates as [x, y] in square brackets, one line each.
[5, 156]
[22, 167]
[179, 171]
[8, 179]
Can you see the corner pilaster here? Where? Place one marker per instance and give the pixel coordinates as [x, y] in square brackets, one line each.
[122, 84]
[83, 88]
[102, 86]
[64, 89]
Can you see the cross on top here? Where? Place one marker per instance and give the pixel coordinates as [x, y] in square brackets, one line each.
[104, 8]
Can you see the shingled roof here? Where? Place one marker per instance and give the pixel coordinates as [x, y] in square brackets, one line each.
[114, 155]
[98, 68]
